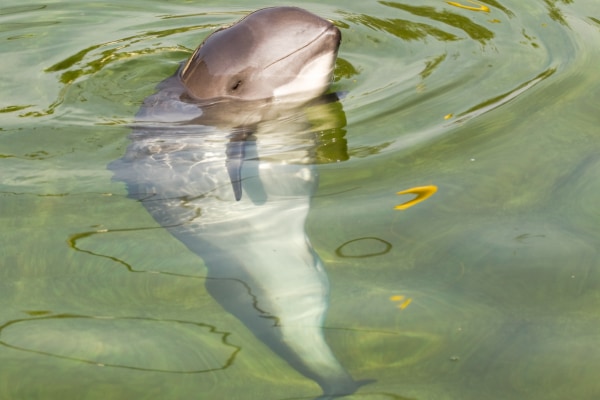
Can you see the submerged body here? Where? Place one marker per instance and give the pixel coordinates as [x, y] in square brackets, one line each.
[226, 164]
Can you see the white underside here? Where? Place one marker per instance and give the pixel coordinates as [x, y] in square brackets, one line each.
[312, 80]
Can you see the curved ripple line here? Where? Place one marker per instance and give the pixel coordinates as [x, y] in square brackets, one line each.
[497, 101]
[211, 328]
[387, 247]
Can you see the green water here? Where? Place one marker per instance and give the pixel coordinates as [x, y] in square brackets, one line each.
[497, 109]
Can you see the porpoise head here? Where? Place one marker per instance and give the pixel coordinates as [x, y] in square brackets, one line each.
[275, 52]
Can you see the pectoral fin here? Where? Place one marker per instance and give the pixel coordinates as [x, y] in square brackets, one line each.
[242, 156]
[235, 158]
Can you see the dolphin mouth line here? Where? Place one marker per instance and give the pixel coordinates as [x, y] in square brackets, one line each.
[300, 48]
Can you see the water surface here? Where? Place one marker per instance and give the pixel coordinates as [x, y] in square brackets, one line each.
[496, 108]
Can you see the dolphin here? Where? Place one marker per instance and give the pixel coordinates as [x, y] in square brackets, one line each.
[223, 156]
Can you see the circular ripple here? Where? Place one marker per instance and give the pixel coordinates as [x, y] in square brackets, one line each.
[363, 247]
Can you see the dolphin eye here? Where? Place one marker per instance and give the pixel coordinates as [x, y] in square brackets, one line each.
[236, 85]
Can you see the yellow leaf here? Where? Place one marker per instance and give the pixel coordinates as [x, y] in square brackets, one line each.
[422, 193]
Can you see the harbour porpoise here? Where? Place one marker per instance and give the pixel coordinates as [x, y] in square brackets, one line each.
[222, 155]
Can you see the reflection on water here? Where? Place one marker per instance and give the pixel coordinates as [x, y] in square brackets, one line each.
[496, 101]
[486, 290]
[477, 7]
[452, 19]
[402, 29]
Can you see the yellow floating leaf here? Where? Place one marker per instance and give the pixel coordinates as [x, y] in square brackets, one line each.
[448, 116]
[422, 193]
[397, 297]
[404, 304]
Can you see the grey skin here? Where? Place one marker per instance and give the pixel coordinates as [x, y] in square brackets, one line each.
[223, 157]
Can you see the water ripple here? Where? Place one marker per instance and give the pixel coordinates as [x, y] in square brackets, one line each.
[438, 67]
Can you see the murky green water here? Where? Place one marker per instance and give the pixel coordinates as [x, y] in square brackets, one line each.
[498, 109]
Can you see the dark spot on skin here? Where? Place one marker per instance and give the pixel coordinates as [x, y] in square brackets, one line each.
[236, 85]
